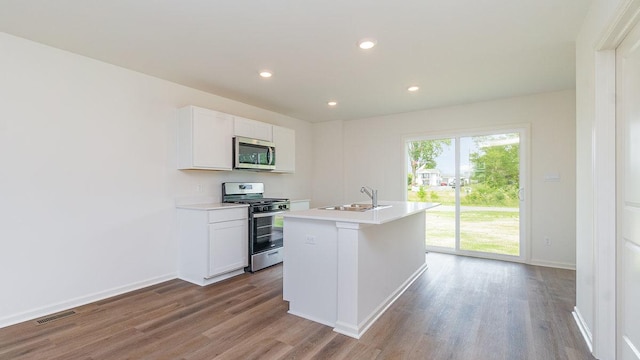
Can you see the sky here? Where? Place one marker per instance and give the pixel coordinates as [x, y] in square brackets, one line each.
[447, 160]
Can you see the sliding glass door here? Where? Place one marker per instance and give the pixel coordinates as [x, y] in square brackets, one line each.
[477, 179]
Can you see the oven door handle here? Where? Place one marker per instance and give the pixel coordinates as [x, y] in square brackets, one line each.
[273, 213]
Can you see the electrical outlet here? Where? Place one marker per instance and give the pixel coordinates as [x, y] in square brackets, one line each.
[547, 241]
[310, 239]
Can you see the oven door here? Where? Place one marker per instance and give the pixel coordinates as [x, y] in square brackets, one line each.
[266, 231]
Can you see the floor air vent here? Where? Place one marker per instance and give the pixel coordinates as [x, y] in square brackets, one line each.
[57, 316]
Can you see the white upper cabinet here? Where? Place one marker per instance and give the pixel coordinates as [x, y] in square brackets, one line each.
[285, 140]
[204, 139]
[252, 129]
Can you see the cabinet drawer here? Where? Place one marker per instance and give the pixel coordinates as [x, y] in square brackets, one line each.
[228, 214]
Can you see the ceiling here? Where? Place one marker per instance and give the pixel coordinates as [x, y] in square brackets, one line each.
[456, 51]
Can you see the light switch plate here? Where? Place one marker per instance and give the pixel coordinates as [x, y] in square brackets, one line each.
[554, 176]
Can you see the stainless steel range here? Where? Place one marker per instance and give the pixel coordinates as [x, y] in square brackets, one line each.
[265, 222]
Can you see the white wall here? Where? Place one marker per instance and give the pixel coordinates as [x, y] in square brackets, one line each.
[88, 181]
[592, 300]
[374, 156]
[328, 160]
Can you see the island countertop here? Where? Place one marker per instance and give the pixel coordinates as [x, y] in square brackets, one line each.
[396, 210]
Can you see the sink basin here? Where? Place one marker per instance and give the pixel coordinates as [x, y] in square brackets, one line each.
[344, 208]
[355, 207]
[368, 206]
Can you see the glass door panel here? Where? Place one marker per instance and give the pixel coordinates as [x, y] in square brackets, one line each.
[432, 166]
[489, 184]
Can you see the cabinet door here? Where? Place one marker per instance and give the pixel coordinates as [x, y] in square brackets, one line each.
[228, 246]
[212, 140]
[252, 129]
[285, 140]
[204, 139]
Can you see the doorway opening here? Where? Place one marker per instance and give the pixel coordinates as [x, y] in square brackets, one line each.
[478, 180]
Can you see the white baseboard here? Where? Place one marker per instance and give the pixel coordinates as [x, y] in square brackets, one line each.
[584, 329]
[553, 264]
[69, 304]
[536, 262]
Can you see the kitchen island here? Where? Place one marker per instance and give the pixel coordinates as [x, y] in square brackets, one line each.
[345, 268]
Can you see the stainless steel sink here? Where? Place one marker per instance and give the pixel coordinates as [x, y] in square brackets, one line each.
[344, 208]
[368, 206]
[355, 207]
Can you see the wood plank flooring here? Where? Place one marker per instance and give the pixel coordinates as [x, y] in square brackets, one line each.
[460, 308]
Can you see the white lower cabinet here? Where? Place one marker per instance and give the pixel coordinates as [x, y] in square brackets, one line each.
[213, 244]
[226, 252]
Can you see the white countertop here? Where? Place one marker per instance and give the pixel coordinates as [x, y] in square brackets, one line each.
[211, 206]
[398, 210]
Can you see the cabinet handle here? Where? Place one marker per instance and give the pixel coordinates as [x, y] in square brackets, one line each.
[273, 253]
[267, 214]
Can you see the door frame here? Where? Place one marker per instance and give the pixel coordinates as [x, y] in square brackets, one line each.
[603, 156]
[525, 218]
[624, 345]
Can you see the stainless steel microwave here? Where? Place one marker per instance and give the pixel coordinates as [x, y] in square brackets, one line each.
[253, 154]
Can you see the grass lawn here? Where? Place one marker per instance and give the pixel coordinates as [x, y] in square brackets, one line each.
[483, 228]
[491, 230]
[446, 195]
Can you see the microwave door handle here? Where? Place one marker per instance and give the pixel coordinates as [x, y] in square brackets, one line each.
[270, 156]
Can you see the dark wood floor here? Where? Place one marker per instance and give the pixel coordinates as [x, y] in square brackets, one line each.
[460, 308]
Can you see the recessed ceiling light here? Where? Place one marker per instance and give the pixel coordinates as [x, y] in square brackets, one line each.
[332, 103]
[366, 44]
[413, 88]
[266, 74]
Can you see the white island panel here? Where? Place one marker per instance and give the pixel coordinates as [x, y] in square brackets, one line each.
[311, 269]
[389, 258]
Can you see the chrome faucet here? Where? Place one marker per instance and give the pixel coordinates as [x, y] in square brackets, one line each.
[373, 194]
